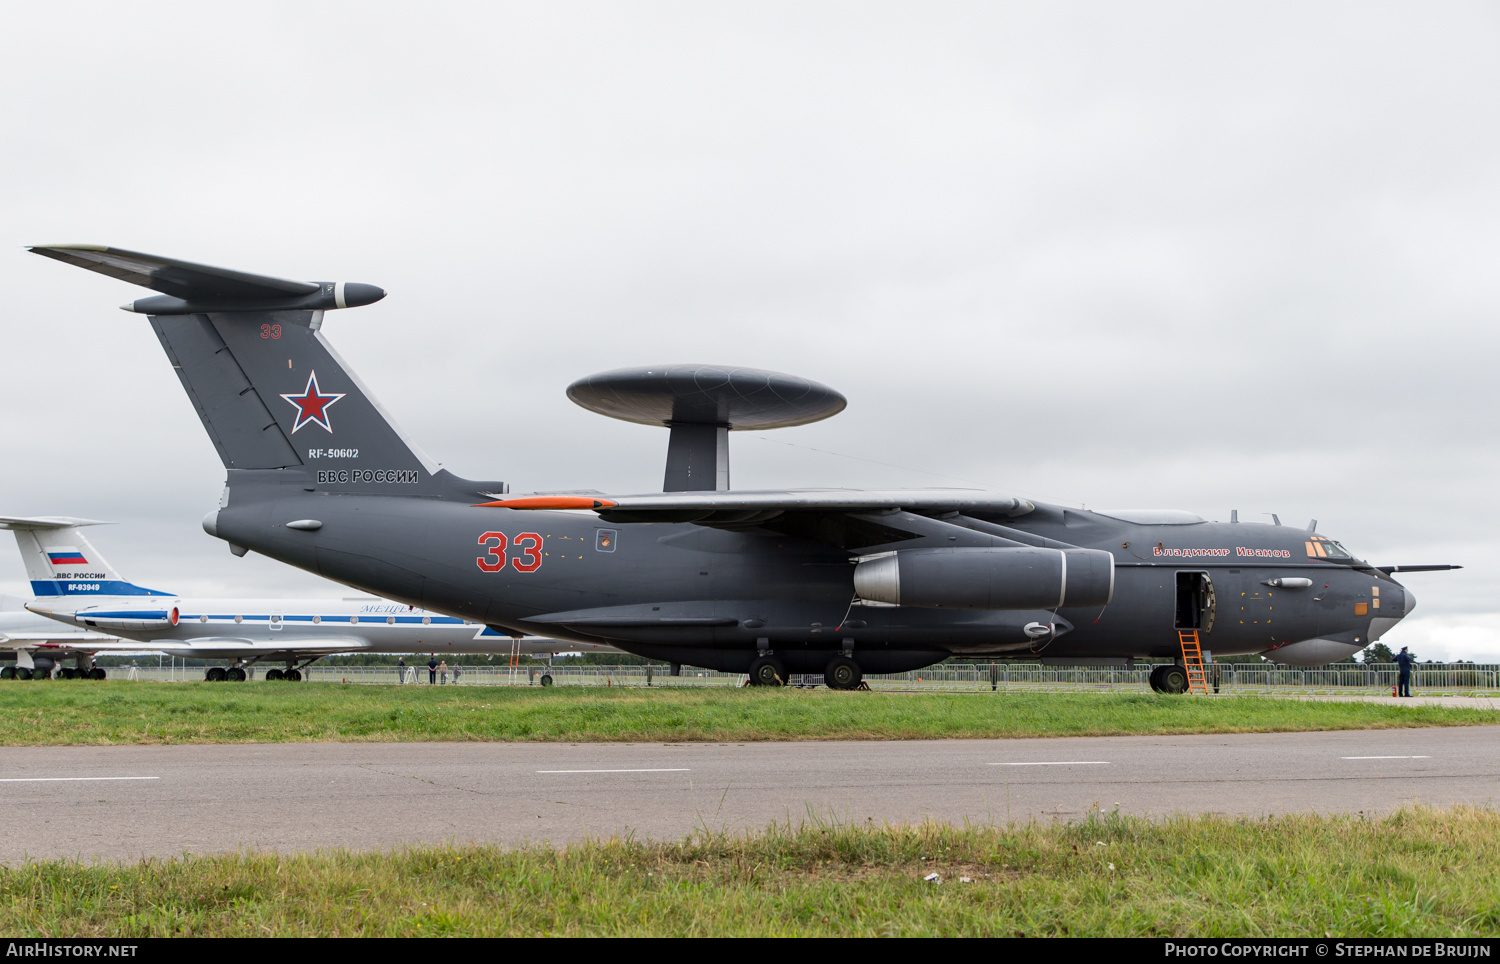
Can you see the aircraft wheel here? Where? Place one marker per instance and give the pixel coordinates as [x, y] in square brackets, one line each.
[8, 672]
[236, 674]
[1174, 680]
[767, 671]
[842, 673]
[295, 675]
[215, 674]
[272, 675]
[1155, 678]
[23, 673]
[66, 672]
[97, 673]
[546, 679]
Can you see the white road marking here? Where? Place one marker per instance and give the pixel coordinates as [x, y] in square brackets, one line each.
[1054, 763]
[658, 770]
[67, 779]
[1385, 758]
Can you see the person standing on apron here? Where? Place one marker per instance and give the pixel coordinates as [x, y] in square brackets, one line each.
[1403, 669]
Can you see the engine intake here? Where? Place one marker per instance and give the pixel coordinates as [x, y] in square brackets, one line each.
[987, 578]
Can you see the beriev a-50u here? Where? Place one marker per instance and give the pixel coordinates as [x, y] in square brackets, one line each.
[766, 582]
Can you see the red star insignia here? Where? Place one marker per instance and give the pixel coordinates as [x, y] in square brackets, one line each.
[311, 405]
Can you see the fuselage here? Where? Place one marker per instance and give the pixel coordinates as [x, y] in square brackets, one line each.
[715, 596]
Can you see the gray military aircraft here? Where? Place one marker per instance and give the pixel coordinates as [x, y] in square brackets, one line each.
[837, 581]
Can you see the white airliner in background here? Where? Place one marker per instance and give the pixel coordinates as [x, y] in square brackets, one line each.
[74, 585]
[27, 633]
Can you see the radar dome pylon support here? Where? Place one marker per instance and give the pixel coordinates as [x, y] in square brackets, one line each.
[702, 404]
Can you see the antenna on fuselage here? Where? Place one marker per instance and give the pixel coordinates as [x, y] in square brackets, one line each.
[1312, 526]
[702, 404]
[1234, 515]
[1275, 519]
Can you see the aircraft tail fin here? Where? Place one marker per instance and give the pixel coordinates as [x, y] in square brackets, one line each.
[269, 388]
[60, 561]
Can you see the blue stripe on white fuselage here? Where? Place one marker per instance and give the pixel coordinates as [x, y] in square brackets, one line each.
[335, 620]
[90, 587]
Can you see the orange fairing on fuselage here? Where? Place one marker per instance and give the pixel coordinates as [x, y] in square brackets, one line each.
[548, 502]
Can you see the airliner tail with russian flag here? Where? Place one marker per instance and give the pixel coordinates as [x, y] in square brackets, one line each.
[63, 565]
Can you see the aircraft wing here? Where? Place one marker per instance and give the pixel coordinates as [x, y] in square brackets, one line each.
[208, 647]
[744, 508]
[239, 646]
[69, 642]
[60, 639]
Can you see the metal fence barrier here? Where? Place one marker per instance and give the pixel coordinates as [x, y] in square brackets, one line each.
[1432, 679]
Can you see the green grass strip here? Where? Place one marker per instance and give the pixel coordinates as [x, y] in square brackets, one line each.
[83, 712]
[1420, 872]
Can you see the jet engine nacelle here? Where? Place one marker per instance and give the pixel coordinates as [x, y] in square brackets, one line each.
[147, 619]
[987, 578]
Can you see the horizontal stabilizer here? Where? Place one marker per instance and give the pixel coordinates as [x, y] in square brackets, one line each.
[47, 522]
[191, 288]
[1391, 569]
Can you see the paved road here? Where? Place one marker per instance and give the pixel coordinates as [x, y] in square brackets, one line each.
[121, 802]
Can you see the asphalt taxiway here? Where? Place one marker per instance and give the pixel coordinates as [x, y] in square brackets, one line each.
[124, 802]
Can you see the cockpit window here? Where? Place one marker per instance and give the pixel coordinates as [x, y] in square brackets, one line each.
[1321, 548]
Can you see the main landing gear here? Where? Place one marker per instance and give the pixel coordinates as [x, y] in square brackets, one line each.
[1169, 678]
[238, 673]
[233, 674]
[767, 671]
[841, 673]
[67, 672]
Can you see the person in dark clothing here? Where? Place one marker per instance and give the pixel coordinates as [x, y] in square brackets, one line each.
[1403, 669]
[401, 669]
[432, 669]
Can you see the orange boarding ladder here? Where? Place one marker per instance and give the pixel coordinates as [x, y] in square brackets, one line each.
[1192, 660]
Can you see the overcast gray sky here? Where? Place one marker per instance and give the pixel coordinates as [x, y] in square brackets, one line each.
[1186, 255]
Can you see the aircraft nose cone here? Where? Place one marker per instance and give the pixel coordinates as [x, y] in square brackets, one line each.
[1411, 601]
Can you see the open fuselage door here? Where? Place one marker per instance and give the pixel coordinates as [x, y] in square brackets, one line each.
[1196, 603]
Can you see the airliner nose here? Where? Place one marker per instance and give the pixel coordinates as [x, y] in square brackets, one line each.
[1411, 602]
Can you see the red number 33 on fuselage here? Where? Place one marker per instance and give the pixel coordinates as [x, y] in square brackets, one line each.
[528, 546]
